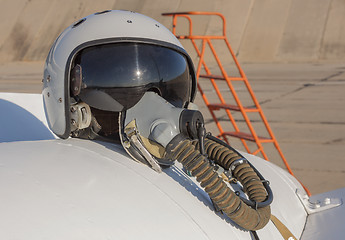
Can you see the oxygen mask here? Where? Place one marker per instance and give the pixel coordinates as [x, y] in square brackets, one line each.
[157, 133]
[149, 126]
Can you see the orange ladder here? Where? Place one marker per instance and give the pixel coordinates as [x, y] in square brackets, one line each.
[207, 40]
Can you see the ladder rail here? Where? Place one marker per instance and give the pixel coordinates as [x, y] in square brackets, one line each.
[232, 120]
[257, 104]
[186, 15]
[201, 62]
[237, 100]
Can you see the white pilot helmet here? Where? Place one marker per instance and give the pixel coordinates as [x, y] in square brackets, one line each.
[105, 62]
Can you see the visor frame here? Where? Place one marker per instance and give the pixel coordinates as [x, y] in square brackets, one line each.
[72, 57]
[126, 70]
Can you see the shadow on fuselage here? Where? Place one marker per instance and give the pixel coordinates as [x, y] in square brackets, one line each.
[17, 124]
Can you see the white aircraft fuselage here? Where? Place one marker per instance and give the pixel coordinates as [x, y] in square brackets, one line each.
[80, 189]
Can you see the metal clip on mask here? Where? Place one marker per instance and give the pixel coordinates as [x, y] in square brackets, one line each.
[157, 133]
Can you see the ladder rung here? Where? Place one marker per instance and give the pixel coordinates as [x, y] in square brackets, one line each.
[220, 77]
[218, 106]
[247, 136]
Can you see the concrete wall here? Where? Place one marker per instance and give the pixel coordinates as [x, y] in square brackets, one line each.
[258, 30]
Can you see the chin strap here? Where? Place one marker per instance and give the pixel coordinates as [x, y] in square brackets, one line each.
[135, 140]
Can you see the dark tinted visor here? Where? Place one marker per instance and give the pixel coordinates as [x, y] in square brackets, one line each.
[116, 76]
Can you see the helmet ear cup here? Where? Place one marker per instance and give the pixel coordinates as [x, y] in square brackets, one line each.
[80, 116]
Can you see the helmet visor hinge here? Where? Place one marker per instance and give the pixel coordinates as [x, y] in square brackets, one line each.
[76, 80]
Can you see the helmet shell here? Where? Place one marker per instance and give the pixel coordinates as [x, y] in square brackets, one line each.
[96, 29]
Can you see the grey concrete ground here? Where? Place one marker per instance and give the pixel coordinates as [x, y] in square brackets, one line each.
[304, 104]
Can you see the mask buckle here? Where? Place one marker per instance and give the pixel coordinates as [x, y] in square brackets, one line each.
[134, 138]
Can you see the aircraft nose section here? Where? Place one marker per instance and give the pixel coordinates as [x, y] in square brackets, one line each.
[75, 189]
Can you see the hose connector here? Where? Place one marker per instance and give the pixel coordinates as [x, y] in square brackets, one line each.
[236, 163]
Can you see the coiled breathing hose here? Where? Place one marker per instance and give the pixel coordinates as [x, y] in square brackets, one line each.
[237, 209]
[255, 186]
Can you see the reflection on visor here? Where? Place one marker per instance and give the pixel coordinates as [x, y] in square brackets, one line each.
[125, 71]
